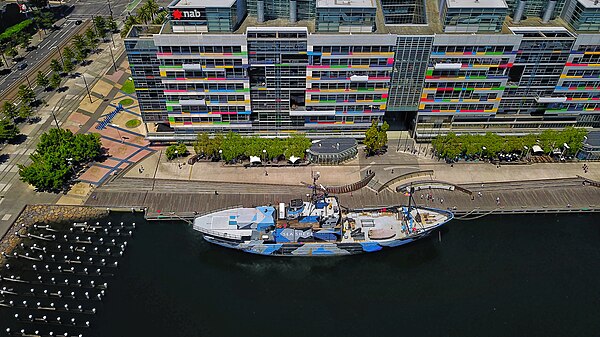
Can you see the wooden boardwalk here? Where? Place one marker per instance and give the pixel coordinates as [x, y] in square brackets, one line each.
[514, 197]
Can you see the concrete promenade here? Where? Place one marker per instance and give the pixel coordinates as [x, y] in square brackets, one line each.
[164, 187]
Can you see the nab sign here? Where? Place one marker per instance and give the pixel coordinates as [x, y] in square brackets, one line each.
[184, 14]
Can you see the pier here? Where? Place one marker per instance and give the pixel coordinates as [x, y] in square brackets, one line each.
[176, 200]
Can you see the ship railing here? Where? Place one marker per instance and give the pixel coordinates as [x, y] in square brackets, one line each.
[217, 210]
[219, 234]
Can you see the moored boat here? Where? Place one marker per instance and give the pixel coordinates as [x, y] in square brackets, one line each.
[318, 226]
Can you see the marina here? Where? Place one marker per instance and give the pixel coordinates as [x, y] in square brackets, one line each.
[496, 276]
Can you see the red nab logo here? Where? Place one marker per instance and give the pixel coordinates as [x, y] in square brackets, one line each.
[192, 13]
[177, 14]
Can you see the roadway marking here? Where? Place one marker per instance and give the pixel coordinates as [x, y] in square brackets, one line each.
[6, 217]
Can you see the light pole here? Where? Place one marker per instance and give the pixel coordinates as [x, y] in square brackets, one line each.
[88, 88]
[110, 10]
[70, 161]
[220, 154]
[119, 132]
[265, 155]
[62, 60]
[112, 55]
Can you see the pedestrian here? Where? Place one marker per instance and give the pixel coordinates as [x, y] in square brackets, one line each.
[441, 201]
[266, 173]
[497, 200]
[421, 196]
[216, 193]
[472, 197]
[392, 171]
[479, 194]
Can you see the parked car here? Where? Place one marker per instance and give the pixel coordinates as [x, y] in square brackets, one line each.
[22, 66]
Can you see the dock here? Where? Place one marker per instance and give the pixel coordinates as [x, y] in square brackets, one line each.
[177, 200]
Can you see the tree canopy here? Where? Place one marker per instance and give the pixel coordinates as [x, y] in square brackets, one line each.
[176, 150]
[57, 155]
[8, 130]
[490, 145]
[235, 146]
[376, 137]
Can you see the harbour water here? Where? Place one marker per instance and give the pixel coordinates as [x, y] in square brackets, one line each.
[528, 275]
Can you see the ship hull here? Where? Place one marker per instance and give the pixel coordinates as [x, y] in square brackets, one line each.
[312, 249]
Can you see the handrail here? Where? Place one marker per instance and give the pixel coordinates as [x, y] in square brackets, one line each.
[404, 176]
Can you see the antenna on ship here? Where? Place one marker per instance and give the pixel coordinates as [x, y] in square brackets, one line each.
[412, 200]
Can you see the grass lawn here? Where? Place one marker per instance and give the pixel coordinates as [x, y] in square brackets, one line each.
[126, 101]
[128, 87]
[133, 123]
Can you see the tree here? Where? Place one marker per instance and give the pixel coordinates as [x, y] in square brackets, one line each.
[26, 95]
[144, 14]
[43, 19]
[42, 80]
[160, 18]
[69, 66]
[80, 55]
[100, 25]
[111, 24]
[11, 52]
[9, 111]
[176, 150]
[57, 153]
[68, 53]
[376, 137]
[202, 144]
[151, 7]
[79, 43]
[56, 66]
[24, 41]
[129, 22]
[8, 130]
[55, 80]
[90, 39]
[25, 112]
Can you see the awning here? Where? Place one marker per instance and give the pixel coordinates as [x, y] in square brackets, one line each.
[294, 159]
[254, 159]
[537, 149]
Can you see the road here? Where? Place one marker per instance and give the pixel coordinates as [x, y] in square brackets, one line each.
[37, 55]
[80, 10]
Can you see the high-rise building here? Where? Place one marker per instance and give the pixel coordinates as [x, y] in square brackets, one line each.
[330, 67]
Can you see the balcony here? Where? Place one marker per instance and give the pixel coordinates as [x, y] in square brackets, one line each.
[447, 66]
[549, 99]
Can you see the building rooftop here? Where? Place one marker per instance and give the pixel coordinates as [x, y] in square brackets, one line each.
[590, 3]
[346, 3]
[476, 4]
[201, 3]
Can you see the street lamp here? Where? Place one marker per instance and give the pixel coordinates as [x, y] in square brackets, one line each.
[220, 154]
[70, 161]
[177, 156]
[265, 155]
[62, 60]
[119, 132]
[88, 88]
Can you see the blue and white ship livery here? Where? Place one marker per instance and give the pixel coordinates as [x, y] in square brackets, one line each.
[318, 227]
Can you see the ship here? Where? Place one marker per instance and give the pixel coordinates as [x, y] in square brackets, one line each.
[319, 226]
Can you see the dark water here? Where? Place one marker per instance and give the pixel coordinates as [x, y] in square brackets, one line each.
[497, 276]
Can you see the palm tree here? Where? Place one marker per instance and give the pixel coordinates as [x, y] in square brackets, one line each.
[144, 14]
[151, 7]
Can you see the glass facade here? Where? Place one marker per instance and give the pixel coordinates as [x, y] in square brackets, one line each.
[473, 19]
[403, 12]
[536, 8]
[348, 19]
[280, 9]
[583, 15]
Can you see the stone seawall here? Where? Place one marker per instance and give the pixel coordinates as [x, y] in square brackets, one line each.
[45, 214]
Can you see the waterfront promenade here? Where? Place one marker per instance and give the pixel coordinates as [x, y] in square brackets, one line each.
[164, 187]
